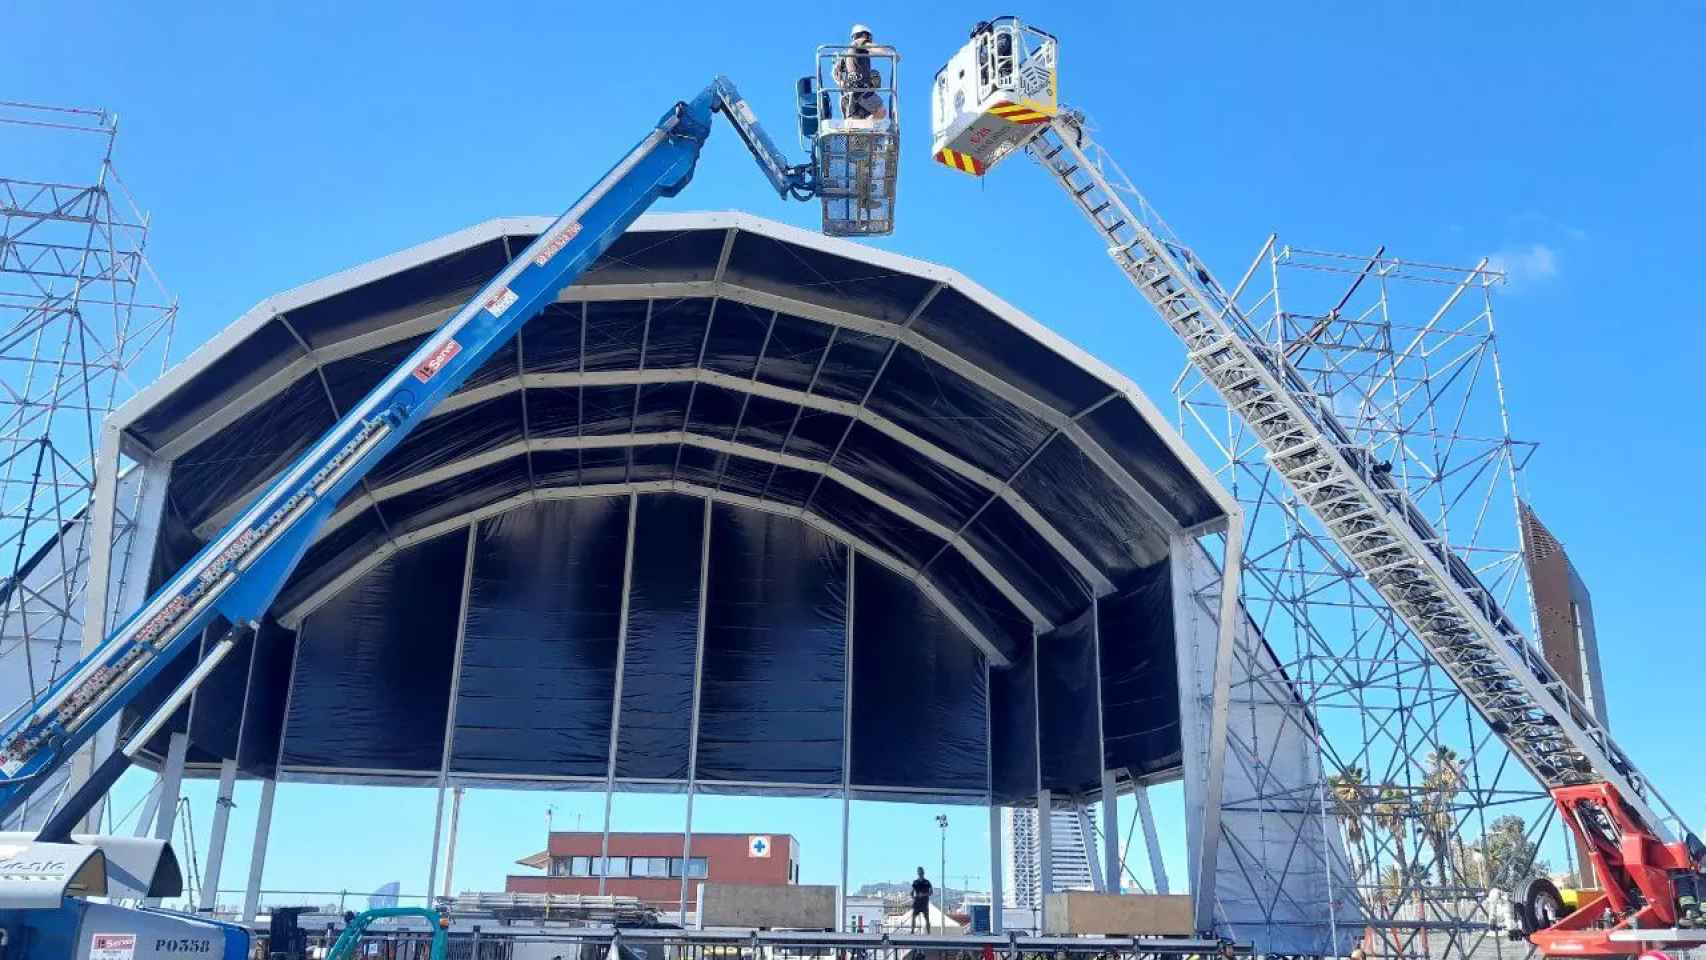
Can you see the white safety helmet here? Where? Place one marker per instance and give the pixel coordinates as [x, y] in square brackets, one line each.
[858, 28]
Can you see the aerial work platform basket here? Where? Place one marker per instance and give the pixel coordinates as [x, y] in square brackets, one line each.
[850, 122]
[995, 95]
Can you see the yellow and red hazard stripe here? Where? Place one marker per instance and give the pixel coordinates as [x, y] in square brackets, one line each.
[1018, 113]
[964, 162]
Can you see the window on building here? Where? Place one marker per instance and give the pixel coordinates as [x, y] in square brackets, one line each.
[580, 867]
[559, 866]
[616, 867]
[696, 868]
[649, 867]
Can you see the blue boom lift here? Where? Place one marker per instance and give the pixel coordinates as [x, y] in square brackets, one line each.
[44, 877]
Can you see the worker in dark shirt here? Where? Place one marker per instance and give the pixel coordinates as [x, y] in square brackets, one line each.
[858, 80]
[921, 891]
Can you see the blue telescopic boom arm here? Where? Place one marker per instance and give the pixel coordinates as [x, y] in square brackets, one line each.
[239, 573]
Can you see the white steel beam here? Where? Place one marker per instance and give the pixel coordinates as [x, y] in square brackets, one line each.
[258, 854]
[216, 839]
[128, 573]
[616, 695]
[450, 708]
[1098, 880]
[1151, 839]
[171, 784]
[693, 729]
[1045, 848]
[150, 806]
[996, 868]
[1111, 831]
[1045, 831]
[1231, 612]
[847, 748]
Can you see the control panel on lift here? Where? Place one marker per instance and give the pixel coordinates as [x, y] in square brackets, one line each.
[996, 94]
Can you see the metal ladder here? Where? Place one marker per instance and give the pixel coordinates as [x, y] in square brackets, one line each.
[1435, 593]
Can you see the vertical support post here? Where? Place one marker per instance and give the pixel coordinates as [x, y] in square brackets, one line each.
[1151, 841]
[216, 839]
[995, 871]
[1110, 880]
[150, 804]
[1098, 879]
[995, 864]
[450, 713]
[258, 854]
[1111, 831]
[132, 570]
[616, 696]
[103, 514]
[1045, 830]
[1231, 615]
[171, 782]
[693, 734]
[450, 847]
[1045, 851]
[847, 750]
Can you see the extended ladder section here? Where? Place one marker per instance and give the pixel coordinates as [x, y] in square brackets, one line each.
[1374, 522]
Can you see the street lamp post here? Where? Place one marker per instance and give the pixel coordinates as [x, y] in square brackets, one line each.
[942, 823]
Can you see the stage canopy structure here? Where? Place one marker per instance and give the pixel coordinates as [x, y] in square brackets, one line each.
[749, 508]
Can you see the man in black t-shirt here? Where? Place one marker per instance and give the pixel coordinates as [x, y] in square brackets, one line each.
[921, 891]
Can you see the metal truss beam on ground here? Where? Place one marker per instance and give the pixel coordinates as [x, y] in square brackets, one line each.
[84, 322]
[1421, 790]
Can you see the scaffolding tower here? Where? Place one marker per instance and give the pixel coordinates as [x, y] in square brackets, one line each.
[84, 321]
[1411, 778]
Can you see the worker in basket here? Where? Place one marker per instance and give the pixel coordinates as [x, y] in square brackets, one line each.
[858, 80]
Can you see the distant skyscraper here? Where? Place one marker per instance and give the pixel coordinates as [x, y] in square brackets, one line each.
[1022, 855]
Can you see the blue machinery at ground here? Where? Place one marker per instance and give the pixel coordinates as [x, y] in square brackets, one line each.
[237, 576]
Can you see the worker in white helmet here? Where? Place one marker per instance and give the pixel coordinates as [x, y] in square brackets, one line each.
[858, 80]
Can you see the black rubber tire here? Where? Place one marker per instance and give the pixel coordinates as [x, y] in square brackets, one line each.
[1538, 905]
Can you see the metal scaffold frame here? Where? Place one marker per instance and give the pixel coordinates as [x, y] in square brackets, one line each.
[1409, 776]
[84, 322]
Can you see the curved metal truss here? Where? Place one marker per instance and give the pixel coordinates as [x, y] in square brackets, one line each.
[1410, 775]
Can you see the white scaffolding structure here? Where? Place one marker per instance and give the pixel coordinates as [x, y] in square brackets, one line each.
[1410, 775]
[84, 322]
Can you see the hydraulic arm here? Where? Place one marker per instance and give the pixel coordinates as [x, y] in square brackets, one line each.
[239, 573]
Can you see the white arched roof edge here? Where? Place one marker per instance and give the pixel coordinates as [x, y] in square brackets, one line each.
[293, 616]
[114, 435]
[384, 266]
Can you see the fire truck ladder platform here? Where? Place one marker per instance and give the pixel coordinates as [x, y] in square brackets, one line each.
[1437, 595]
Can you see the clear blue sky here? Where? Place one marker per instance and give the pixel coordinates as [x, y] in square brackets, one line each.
[274, 146]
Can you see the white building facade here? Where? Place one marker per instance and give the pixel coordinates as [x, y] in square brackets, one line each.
[1022, 855]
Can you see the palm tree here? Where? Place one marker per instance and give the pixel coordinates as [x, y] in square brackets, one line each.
[1351, 795]
[1392, 811]
[1443, 781]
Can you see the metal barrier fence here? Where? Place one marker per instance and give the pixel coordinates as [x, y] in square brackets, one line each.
[607, 943]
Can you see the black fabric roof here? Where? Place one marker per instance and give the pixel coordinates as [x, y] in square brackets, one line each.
[893, 400]
[742, 480]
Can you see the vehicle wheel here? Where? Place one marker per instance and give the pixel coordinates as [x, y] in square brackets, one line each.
[1538, 905]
